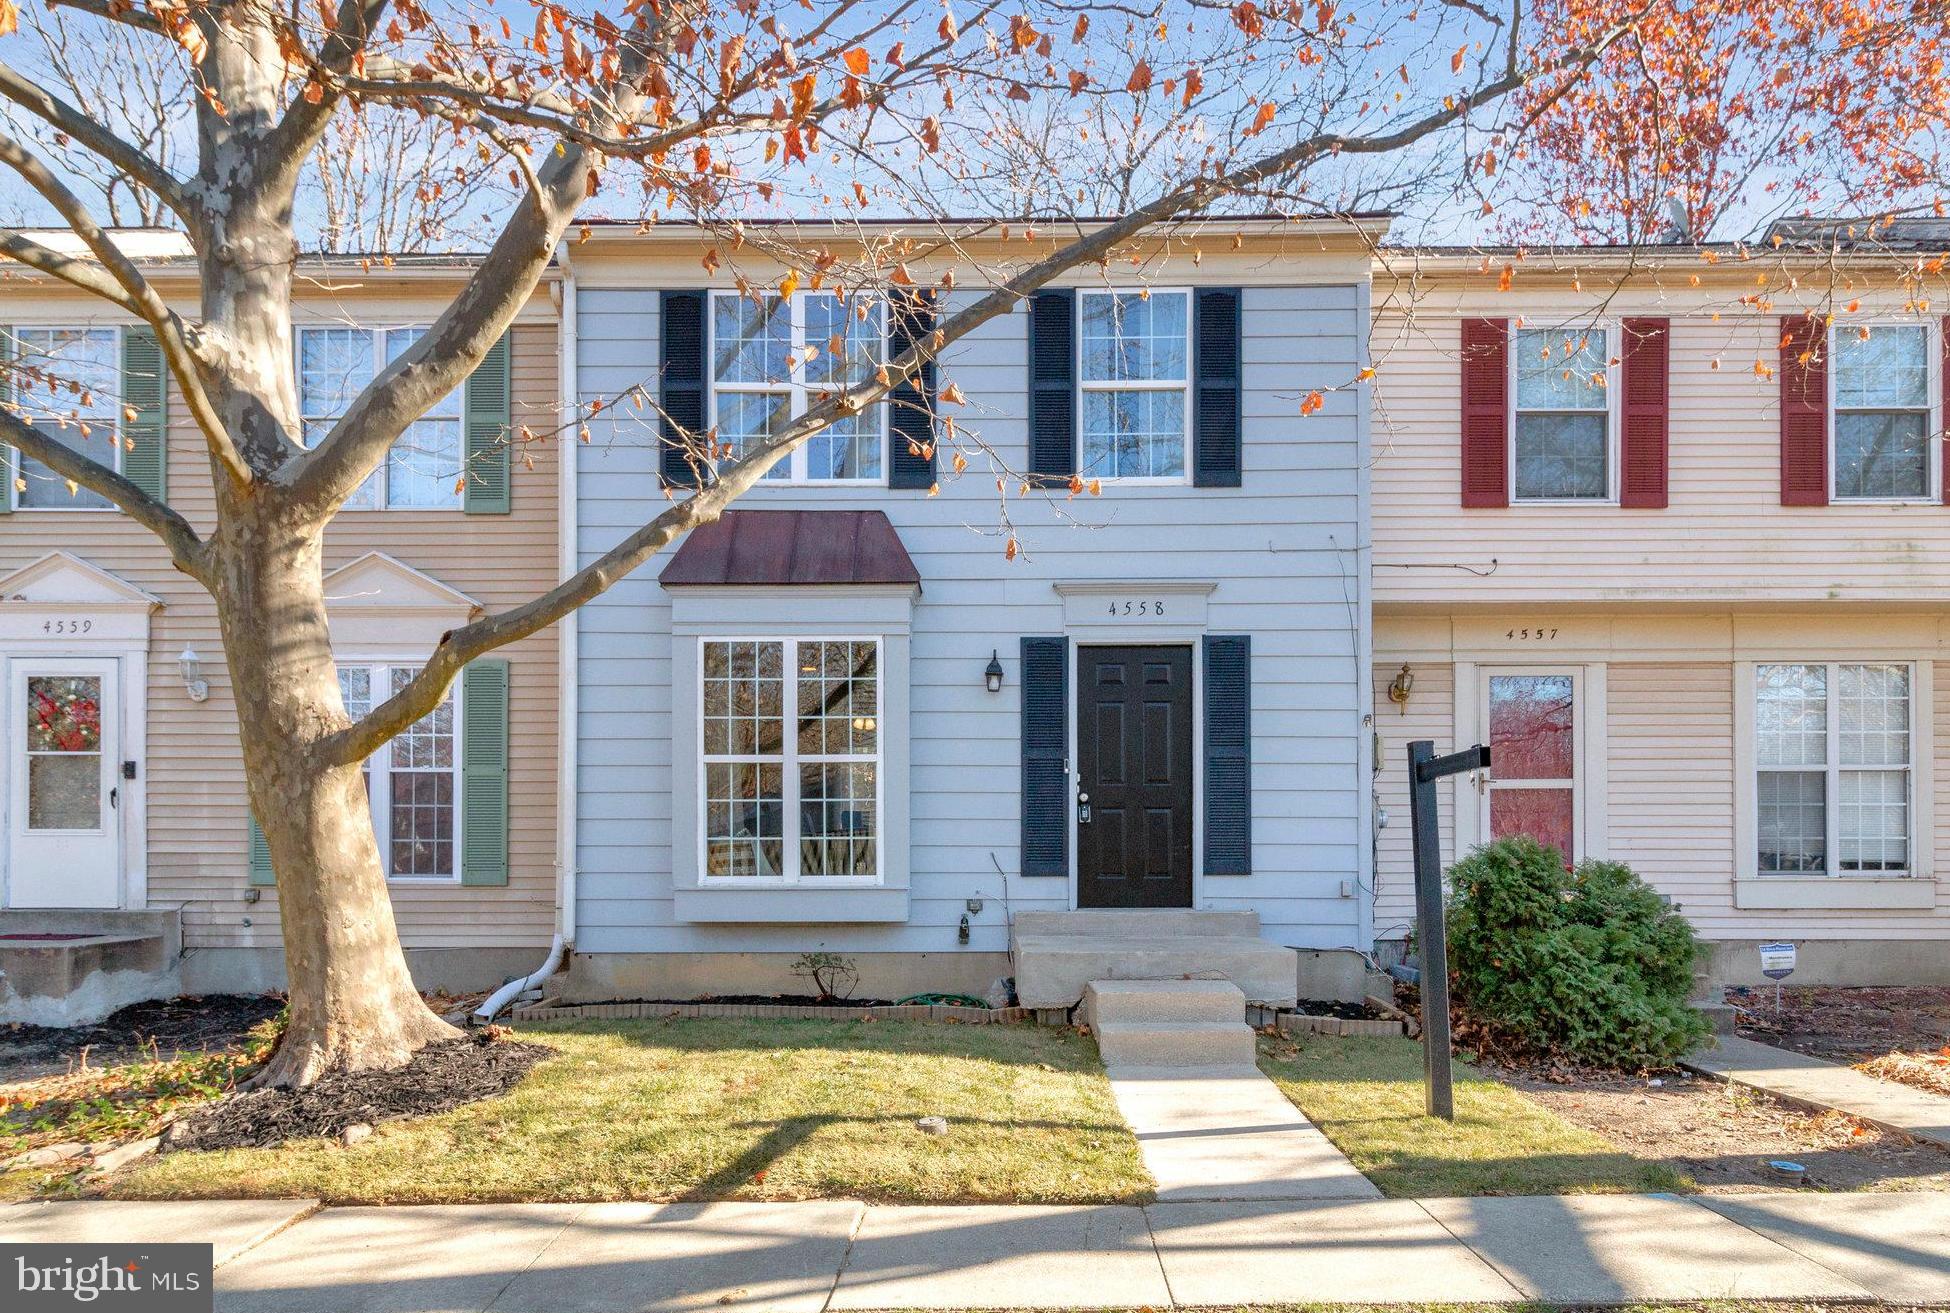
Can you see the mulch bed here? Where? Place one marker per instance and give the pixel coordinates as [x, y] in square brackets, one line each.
[1846, 1025]
[440, 1077]
[213, 1023]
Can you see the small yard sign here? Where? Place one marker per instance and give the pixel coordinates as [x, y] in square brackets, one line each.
[1777, 961]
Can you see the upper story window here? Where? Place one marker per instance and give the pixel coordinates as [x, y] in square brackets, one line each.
[1883, 417]
[791, 747]
[773, 357]
[412, 782]
[1562, 436]
[1134, 353]
[1833, 751]
[423, 469]
[67, 382]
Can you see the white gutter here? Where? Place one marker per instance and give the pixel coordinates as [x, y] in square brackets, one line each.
[568, 456]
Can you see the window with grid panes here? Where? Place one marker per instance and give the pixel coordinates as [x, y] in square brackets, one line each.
[773, 357]
[1134, 374]
[791, 759]
[423, 469]
[1884, 420]
[412, 782]
[1833, 748]
[67, 382]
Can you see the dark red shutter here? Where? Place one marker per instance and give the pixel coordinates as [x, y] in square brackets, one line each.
[1804, 411]
[1643, 442]
[1485, 412]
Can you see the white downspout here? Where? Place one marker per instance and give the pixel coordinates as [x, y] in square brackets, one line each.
[568, 446]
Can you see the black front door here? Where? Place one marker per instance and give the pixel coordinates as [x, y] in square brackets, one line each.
[1134, 791]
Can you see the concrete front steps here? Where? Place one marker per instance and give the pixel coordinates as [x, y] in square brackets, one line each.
[1058, 954]
[1160, 1025]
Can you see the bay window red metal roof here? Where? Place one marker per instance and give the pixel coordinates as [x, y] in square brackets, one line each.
[804, 548]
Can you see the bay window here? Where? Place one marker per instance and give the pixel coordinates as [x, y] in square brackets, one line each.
[67, 382]
[791, 758]
[412, 782]
[1833, 756]
[773, 357]
[1134, 356]
[1884, 421]
[423, 469]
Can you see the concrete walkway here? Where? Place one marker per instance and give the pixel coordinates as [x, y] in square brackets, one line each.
[1228, 1134]
[1810, 1082]
[290, 1257]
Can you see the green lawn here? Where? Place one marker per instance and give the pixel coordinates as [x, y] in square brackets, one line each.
[1366, 1095]
[713, 1109]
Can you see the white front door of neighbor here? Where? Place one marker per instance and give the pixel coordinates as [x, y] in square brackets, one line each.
[64, 832]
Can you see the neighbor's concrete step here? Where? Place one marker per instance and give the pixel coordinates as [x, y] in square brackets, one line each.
[1159, 1044]
[1107, 1002]
[1147, 922]
[1052, 970]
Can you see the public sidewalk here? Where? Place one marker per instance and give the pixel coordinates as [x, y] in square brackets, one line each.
[1809, 1082]
[290, 1257]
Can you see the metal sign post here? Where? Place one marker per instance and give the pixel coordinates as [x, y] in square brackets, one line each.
[1431, 928]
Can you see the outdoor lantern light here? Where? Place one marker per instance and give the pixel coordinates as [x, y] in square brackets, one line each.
[193, 682]
[1404, 685]
[993, 675]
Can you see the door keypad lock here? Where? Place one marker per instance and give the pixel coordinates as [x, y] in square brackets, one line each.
[1083, 809]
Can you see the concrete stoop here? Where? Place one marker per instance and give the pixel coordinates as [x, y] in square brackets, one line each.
[72, 967]
[1160, 1025]
[1058, 954]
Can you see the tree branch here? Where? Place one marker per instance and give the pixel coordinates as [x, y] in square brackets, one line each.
[34, 98]
[185, 548]
[83, 274]
[304, 122]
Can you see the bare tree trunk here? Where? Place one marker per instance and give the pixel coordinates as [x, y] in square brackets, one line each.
[353, 1005]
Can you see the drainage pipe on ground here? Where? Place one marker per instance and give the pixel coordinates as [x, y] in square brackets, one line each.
[491, 1007]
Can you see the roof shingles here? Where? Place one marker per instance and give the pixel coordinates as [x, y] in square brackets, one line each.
[791, 548]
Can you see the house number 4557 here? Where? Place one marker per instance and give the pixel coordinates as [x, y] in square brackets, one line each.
[1540, 635]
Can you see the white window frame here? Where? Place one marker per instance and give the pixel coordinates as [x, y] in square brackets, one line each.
[1932, 411]
[379, 777]
[1614, 359]
[381, 477]
[1832, 771]
[793, 386]
[114, 410]
[789, 761]
[1137, 385]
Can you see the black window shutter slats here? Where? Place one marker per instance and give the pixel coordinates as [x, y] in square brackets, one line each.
[1215, 373]
[1228, 755]
[910, 419]
[1045, 734]
[1053, 385]
[683, 385]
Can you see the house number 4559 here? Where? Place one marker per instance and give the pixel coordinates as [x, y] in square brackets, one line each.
[66, 626]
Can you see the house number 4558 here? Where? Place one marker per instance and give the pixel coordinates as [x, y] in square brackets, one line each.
[1147, 607]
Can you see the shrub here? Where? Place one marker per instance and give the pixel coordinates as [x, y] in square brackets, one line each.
[1588, 964]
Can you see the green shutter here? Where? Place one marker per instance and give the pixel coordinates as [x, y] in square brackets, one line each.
[7, 475]
[484, 773]
[485, 407]
[260, 856]
[145, 391]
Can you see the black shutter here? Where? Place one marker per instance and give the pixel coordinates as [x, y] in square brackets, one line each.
[1053, 385]
[683, 385]
[1045, 734]
[910, 419]
[1228, 755]
[1215, 372]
